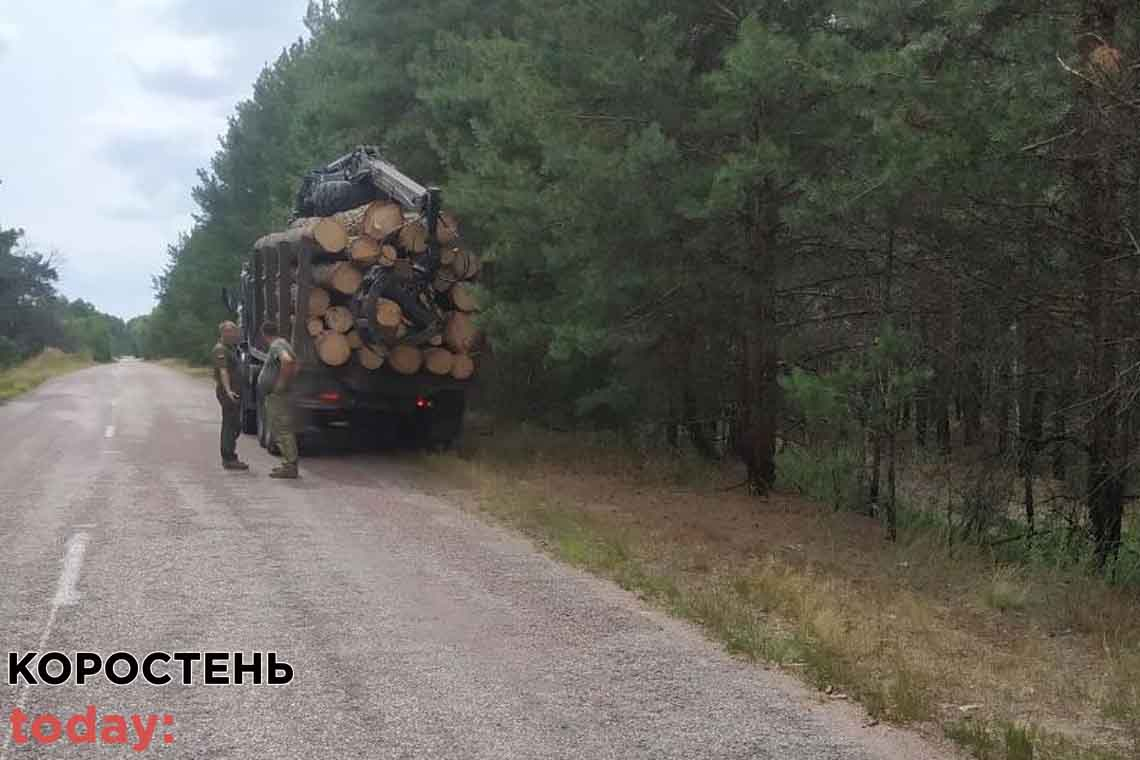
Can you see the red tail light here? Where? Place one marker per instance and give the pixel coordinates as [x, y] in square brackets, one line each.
[329, 398]
[423, 403]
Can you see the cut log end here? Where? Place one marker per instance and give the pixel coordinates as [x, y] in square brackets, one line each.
[464, 265]
[328, 235]
[439, 361]
[388, 313]
[463, 297]
[341, 277]
[364, 250]
[370, 359]
[406, 360]
[460, 334]
[319, 302]
[463, 368]
[388, 257]
[414, 237]
[332, 349]
[339, 319]
[383, 219]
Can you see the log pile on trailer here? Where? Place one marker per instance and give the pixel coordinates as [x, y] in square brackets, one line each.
[386, 285]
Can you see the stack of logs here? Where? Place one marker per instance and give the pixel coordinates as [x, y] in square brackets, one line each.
[382, 236]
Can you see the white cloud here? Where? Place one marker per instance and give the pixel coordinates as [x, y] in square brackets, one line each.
[115, 122]
[8, 36]
[159, 49]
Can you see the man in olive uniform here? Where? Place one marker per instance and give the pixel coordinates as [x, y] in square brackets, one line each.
[273, 384]
[228, 393]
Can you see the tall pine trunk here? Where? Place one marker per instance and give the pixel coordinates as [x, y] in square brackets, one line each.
[1095, 173]
[762, 395]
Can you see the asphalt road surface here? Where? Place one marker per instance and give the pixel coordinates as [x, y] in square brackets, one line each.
[414, 629]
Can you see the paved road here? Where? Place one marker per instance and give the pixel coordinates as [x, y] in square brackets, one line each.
[415, 630]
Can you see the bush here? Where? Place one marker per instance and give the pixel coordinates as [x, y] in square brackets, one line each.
[831, 477]
[9, 352]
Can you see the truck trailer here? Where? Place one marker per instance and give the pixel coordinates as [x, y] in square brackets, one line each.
[420, 410]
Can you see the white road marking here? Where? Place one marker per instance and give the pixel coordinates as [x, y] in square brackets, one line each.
[109, 432]
[65, 596]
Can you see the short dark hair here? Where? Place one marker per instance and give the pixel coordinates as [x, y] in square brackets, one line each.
[269, 329]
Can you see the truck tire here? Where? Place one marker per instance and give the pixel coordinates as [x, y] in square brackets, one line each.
[445, 421]
[249, 422]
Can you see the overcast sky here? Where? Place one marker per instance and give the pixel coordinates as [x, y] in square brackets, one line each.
[110, 106]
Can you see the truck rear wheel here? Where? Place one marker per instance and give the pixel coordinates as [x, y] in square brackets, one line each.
[249, 422]
[248, 405]
[444, 422]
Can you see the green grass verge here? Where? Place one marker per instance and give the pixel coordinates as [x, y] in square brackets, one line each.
[764, 611]
[34, 372]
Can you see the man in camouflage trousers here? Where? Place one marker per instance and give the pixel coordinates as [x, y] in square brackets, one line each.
[228, 393]
[273, 384]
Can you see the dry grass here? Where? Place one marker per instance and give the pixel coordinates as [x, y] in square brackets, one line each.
[1007, 590]
[35, 371]
[1047, 663]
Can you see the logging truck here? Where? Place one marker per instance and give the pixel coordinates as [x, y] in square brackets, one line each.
[377, 302]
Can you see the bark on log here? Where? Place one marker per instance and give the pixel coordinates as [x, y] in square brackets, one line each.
[463, 367]
[326, 234]
[463, 297]
[352, 221]
[460, 333]
[332, 348]
[369, 359]
[363, 251]
[341, 277]
[383, 219]
[406, 360]
[444, 281]
[447, 230]
[339, 319]
[404, 269]
[439, 361]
